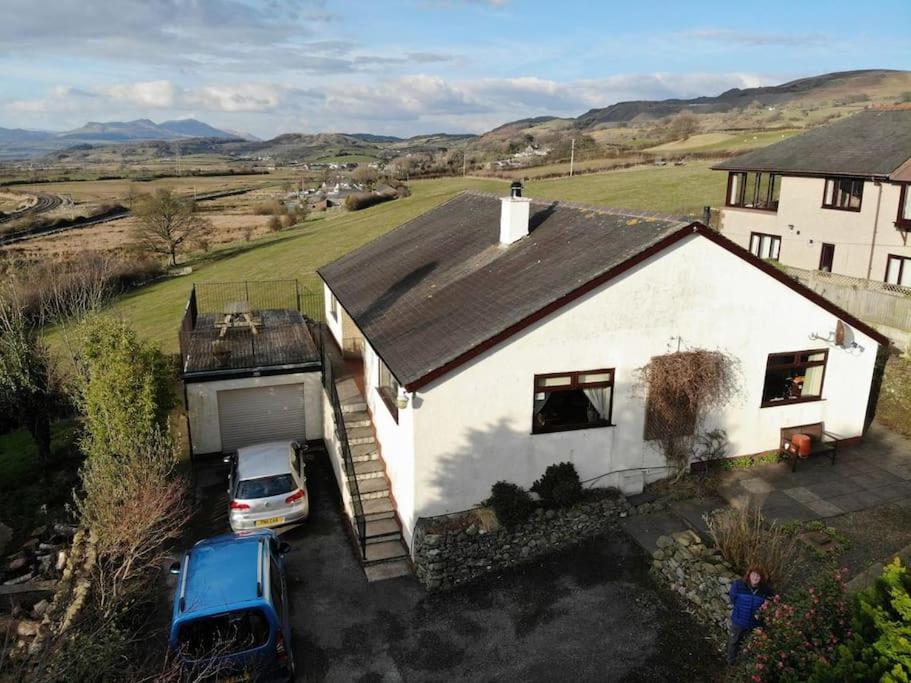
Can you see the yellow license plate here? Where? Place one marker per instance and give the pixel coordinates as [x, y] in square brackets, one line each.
[269, 521]
[240, 678]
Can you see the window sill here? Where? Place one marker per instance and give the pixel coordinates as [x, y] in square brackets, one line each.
[389, 400]
[760, 209]
[757, 209]
[574, 428]
[903, 225]
[841, 208]
[791, 401]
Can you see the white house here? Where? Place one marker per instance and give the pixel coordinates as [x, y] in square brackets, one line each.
[835, 199]
[501, 335]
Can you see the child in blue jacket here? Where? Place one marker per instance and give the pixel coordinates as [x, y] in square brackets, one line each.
[747, 596]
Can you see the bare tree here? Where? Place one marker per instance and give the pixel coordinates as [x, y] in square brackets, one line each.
[365, 176]
[683, 125]
[168, 224]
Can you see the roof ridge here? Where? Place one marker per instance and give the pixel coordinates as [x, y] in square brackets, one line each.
[602, 209]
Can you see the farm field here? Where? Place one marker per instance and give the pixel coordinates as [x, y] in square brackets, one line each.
[112, 190]
[155, 310]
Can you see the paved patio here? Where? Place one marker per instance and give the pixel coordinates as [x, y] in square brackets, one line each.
[875, 472]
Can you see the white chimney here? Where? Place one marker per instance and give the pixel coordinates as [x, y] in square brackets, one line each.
[514, 211]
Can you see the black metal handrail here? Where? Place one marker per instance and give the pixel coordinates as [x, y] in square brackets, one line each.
[341, 433]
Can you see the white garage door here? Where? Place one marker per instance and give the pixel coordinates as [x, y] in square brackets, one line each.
[249, 416]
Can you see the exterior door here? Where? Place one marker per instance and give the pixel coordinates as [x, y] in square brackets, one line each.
[260, 415]
[826, 257]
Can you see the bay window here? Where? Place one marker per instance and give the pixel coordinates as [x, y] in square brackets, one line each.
[572, 400]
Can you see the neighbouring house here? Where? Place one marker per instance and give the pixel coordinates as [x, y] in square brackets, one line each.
[491, 337]
[836, 198]
[249, 365]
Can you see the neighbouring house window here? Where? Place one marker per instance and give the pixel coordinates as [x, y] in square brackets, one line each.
[826, 257]
[794, 376]
[388, 388]
[904, 207]
[843, 193]
[765, 246]
[754, 190]
[898, 270]
[333, 305]
[572, 400]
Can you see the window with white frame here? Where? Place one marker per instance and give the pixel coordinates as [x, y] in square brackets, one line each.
[765, 246]
[898, 270]
[333, 306]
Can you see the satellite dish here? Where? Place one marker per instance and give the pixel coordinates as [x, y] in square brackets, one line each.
[840, 333]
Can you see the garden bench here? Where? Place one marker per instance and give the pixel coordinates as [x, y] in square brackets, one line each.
[821, 443]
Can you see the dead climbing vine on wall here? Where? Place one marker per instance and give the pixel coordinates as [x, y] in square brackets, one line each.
[682, 388]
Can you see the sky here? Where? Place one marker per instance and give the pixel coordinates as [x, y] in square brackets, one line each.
[408, 67]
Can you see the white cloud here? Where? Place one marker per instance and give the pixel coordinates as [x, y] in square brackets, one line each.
[729, 36]
[154, 94]
[406, 105]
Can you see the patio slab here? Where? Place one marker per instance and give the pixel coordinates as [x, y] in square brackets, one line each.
[872, 473]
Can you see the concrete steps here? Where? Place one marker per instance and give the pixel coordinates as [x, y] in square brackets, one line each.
[357, 419]
[369, 469]
[364, 452]
[371, 489]
[385, 554]
[360, 435]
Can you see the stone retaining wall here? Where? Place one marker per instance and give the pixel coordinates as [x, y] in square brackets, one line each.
[455, 549]
[700, 576]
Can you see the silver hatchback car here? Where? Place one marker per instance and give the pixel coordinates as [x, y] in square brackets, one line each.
[267, 485]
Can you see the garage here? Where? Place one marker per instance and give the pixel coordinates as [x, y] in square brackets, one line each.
[259, 414]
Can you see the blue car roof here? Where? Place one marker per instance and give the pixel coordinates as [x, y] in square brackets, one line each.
[221, 573]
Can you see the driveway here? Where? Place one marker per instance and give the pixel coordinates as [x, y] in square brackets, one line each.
[590, 613]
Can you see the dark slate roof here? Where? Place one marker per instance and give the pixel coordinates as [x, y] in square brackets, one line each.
[441, 285]
[874, 142]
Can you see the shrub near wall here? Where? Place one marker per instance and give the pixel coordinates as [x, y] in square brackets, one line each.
[455, 549]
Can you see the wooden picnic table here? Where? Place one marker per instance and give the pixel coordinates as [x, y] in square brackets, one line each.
[237, 314]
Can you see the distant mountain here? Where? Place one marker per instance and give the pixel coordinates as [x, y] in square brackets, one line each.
[21, 135]
[736, 98]
[143, 129]
[191, 128]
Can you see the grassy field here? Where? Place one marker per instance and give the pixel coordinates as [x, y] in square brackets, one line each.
[111, 190]
[155, 310]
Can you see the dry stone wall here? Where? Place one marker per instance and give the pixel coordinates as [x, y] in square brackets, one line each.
[698, 574]
[456, 549]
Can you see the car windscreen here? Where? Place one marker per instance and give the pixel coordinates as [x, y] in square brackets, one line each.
[264, 487]
[221, 635]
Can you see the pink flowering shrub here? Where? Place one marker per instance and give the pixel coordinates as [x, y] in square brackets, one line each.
[798, 635]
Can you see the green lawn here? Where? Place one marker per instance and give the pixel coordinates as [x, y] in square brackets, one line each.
[155, 310]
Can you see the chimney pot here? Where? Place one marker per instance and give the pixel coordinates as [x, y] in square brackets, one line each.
[514, 212]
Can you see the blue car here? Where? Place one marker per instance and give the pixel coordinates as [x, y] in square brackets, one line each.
[230, 618]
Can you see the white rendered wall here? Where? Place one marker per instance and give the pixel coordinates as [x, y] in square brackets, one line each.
[800, 206]
[342, 327]
[202, 406]
[396, 441]
[473, 427]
